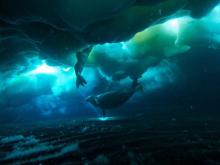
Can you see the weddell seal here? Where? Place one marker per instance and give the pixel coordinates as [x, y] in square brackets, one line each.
[81, 57]
[115, 98]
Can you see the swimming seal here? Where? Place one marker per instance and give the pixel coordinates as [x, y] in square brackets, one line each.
[113, 99]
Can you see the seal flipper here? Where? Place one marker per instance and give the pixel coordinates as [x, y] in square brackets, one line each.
[82, 56]
[80, 80]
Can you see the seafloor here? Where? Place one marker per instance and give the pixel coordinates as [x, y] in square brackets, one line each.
[150, 138]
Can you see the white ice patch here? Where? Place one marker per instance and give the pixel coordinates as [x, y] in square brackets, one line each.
[27, 141]
[11, 139]
[30, 145]
[23, 152]
[63, 151]
[24, 146]
[69, 148]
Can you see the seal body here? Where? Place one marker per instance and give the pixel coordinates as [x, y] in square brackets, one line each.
[113, 99]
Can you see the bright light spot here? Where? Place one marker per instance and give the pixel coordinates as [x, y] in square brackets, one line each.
[104, 118]
[44, 69]
[124, 46]
[215, 15]
[106, 44]
[107, 118]
[216, 9]
[66, 69]
[173, 25]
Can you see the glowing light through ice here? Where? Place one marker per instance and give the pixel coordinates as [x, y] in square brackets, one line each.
[173, 25]
[44, 69]
[214, 16]
[66, 69]
[124, 46]
[216, 9]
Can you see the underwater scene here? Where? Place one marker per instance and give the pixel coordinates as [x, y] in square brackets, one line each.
[109, 82]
